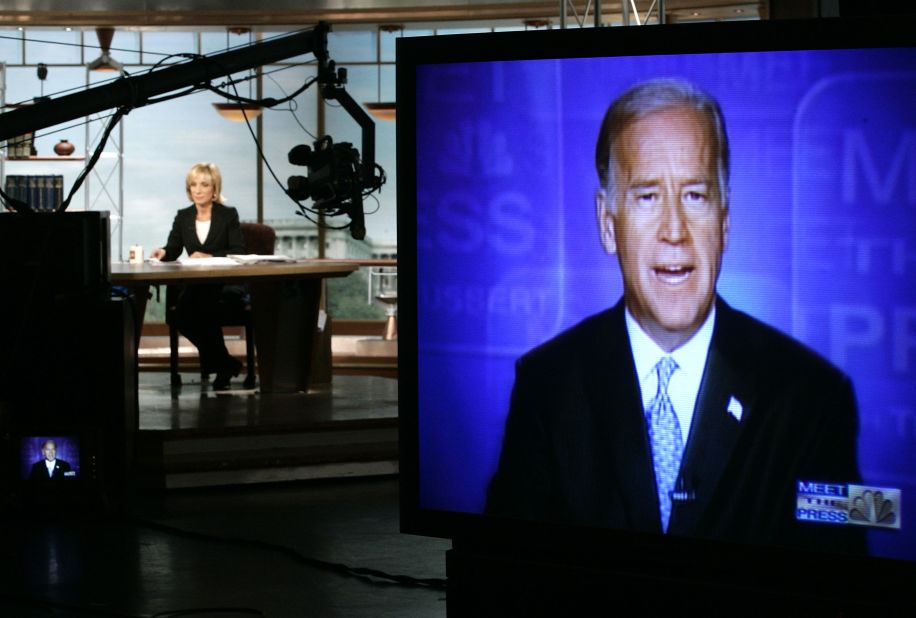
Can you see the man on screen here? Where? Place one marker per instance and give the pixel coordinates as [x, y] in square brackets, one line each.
[671, 411]
[49, 467]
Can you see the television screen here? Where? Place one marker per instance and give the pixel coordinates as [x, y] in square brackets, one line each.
[739, 197]
[45, 460]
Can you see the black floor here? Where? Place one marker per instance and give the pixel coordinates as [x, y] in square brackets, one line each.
[288, 549]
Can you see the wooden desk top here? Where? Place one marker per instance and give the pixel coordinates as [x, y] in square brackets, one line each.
[172, 272]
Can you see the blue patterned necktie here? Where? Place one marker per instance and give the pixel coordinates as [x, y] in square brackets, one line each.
[665, 438]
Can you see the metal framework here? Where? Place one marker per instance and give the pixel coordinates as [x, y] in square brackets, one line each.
[104, 186]
[630, 14]
[568, 5]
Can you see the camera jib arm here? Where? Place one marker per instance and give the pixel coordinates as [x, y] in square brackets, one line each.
[130, 92]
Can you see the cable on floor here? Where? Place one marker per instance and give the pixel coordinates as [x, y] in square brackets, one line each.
[367, 575]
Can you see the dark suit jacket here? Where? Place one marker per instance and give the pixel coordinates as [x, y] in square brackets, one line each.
[225, 234]
[40, 471]
[576, 448]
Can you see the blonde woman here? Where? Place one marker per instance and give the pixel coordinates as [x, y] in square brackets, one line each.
[206, 228]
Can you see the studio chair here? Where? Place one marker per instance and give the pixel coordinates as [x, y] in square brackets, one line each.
[233, 309]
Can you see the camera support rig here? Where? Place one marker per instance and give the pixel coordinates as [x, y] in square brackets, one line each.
[128, 92]
[337, 177]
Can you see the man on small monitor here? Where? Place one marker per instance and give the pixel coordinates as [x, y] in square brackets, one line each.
[671, 412]
[49, 467]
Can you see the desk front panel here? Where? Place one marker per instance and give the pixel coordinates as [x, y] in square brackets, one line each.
[285, 301]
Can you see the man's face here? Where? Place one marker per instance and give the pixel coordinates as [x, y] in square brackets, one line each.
[665, 223]
[50, 451]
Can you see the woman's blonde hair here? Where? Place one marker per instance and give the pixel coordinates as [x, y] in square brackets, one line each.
[216, 179]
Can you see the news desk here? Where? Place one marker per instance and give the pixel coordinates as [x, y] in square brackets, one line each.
[285, 299]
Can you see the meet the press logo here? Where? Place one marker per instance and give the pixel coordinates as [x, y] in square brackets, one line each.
[859, 505]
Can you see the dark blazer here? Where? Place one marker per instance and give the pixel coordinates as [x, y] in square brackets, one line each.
[40, 471]
[576, 448]
[225, 236]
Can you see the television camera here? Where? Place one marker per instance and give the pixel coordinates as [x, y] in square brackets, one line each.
[334, 182]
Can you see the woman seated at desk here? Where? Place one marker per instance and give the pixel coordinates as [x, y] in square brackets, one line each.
[207, 228]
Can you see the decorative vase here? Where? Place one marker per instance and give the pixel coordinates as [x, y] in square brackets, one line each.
[64, 148]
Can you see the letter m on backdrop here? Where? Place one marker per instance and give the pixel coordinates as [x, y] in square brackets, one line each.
[882, 182]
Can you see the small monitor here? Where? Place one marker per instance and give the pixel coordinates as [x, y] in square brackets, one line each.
[49, 459]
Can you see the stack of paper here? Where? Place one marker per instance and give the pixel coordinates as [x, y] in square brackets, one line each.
[207, 261]
[252, 258]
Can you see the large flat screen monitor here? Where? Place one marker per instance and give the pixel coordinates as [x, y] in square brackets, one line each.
[749, 189]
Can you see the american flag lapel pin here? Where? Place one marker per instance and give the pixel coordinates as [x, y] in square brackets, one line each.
[735, 408]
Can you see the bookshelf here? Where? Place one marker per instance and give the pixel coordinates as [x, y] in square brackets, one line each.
[41, 189]
[103, 186]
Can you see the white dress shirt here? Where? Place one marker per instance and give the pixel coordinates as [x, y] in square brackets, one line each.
[684, 385]
[50, 466]
[203, 228]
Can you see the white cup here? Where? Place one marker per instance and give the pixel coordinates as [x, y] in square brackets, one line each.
[135, 255]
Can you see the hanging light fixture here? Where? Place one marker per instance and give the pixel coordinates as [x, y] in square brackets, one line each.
[383, 110]
[105, 62]
[42, 73]
[238, 112]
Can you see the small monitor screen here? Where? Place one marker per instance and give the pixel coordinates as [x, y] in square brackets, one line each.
[49, 459]
[750, 214]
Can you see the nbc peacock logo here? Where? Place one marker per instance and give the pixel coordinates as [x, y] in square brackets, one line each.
[877, 507]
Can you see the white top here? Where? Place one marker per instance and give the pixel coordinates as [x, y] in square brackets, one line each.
[684, 385]
[50, 466]
[203, 228]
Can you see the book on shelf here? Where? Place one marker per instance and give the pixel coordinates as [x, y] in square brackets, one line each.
[41, 192]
